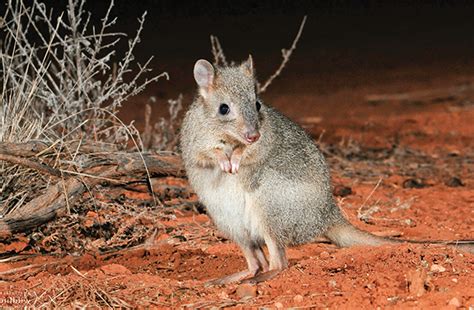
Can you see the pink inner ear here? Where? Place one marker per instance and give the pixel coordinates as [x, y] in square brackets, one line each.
[202, 76]
[203, 73]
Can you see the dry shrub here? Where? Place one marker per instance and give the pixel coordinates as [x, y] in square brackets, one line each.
[163, 135]
[61, 86]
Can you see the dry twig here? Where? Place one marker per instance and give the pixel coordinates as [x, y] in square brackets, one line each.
[363, 214]
[218, 52]
[286, 54]
[220, 59]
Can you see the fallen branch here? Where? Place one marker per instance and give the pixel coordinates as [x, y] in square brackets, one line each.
[28, 163]
[100, 169]
[36, 148]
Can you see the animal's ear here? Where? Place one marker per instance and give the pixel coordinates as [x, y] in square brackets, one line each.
[247, 66]
[204, 75]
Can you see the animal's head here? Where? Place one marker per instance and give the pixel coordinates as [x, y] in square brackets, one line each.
[230, 98]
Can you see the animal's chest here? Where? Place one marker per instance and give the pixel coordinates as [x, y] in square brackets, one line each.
[233, 209]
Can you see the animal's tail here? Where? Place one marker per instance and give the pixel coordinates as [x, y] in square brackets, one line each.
[346, 235]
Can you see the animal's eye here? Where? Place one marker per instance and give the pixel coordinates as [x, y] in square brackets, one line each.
[224, 109]
[258, 105]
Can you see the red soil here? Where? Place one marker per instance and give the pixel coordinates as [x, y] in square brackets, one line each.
[434, 143]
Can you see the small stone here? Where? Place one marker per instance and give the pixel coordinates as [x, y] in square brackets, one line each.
[246, 291]
[298, 298]
[454, 182]
[278, 305]
[115, 269]
[437, 268]
[223, 295]
[342, 191]
[332, 283]
[324, 255]
[414, 183]
[455, 302]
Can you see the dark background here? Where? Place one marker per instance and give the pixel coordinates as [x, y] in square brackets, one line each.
[345, 44]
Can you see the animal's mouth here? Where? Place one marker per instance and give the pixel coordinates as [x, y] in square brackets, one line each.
[244, 138]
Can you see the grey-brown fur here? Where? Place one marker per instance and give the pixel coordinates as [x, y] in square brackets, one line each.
[279, 193]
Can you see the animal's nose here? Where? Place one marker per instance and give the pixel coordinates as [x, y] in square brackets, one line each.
[252, 137]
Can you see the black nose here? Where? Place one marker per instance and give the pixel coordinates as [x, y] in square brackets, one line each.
[252, 137]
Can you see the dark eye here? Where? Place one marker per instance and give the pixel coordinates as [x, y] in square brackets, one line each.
[224, 109]
[258, 105]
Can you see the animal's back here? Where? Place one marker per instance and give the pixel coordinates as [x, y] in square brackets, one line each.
[294, 190]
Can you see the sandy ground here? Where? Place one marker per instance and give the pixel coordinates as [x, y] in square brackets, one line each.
[409, 165]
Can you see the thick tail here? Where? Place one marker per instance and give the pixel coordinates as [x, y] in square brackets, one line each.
[346, 235]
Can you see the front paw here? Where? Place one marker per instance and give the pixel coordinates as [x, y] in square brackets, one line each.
[235, 160]
[225, 165]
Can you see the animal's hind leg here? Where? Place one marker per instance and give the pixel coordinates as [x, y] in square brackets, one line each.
[261, 259]
[253, 255]
[278, 261]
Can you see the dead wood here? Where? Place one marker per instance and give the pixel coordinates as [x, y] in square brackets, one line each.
[36, 148]
[102, 168]
[28, 163]
[22, 149]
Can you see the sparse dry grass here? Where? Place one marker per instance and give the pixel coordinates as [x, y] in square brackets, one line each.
[79, 291]
[63, 83]
[164, 134]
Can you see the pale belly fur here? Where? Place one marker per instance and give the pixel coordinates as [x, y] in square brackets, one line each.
[232, 209]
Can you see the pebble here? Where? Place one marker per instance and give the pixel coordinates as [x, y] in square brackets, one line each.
[324, 255]
[278, 305]
[454, 182]
[115, 269]
[298, 298]
[414, 183]
[246, 291]
[455, 302]
[332, 283]
[437, 268]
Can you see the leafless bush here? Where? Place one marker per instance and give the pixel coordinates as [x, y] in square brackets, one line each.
[163, 135]
[67, 80]
[59, 84]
